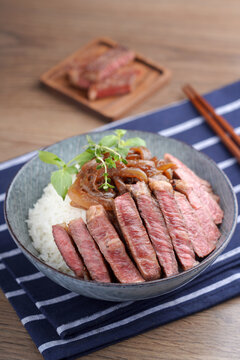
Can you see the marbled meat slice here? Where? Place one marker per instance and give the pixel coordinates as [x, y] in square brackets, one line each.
[197, 236]
[156, 227]
[200, 186]
[136, 237]
[209, 228]
[111, 246]
[76, 79]
[67, 249]
[108, 63]
[119, 83]
[174, 221]
[89, 251]
[76, 70]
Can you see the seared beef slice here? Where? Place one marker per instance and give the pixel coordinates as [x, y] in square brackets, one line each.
[136, 237]
[111, 246]
[119, 83]
[209, 228]
[201, 187]
[66, 248]
[174, 221]
[108, 63]
[89, 251]
[197, 236]
[156, 227]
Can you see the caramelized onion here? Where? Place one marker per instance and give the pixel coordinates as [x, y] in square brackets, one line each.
[133, 173]
[143, 152]
[147, 166]
[133, 156]
[87, 191]
[120, 185]
[168, 173]
[83, 199]
[165, 166]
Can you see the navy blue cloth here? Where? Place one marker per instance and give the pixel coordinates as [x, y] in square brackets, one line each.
[65, 325]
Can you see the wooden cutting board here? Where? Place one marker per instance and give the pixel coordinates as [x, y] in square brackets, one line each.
[152, 77]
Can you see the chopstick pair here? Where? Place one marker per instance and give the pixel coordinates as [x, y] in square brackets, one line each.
[220, 126]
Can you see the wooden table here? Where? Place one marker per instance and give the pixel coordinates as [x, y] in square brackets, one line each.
[199, 41]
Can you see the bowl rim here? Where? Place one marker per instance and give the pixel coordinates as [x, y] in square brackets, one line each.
[207, 261]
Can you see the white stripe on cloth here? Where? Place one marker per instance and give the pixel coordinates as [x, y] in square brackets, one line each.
[31, 318]
[19, 292]
[236, 188]
[95, 316]
[31, 277]
[227, 255]
[135, 117]
[226, 163]
[55, 300]
[10, 253]
[17, 161]
[2, 267]
[189, 124]
[144, 313]
[2, 197]
[210, 141]
[3, 227]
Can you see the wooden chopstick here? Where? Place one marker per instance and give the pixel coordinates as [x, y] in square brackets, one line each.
[222, 122]
[220, 126]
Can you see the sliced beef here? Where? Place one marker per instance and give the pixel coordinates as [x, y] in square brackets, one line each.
[108, 63]
[68, 251]
[119, 83]
[89, 251]
[200, 186]
[76, 70]
[209, 228]
[179, 164]
[174, 221]
[76, 78]
[156, 227]
[111, 246]
[136, 237]
[197, 236]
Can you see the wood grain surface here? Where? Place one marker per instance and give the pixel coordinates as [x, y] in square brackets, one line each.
[198, 40]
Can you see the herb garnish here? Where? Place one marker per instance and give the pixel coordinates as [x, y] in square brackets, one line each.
[113, 145]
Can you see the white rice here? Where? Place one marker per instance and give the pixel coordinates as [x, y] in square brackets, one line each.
[49, 210]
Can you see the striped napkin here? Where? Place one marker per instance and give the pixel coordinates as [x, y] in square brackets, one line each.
[65, 325]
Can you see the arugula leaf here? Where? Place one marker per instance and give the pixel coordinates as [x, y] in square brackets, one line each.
[61, 181]
[123, 151]
[89, 140]
[120, 132]
[83, 158]
[50, 158]
[134, 142]
[109, 140]
[71, 170]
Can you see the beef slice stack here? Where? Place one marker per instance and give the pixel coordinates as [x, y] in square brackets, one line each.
[109, 74]
[163, 227]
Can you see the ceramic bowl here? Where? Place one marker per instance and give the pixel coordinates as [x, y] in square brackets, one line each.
[27, 186]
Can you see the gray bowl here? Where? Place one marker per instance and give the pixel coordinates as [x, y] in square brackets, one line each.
[27, 186]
